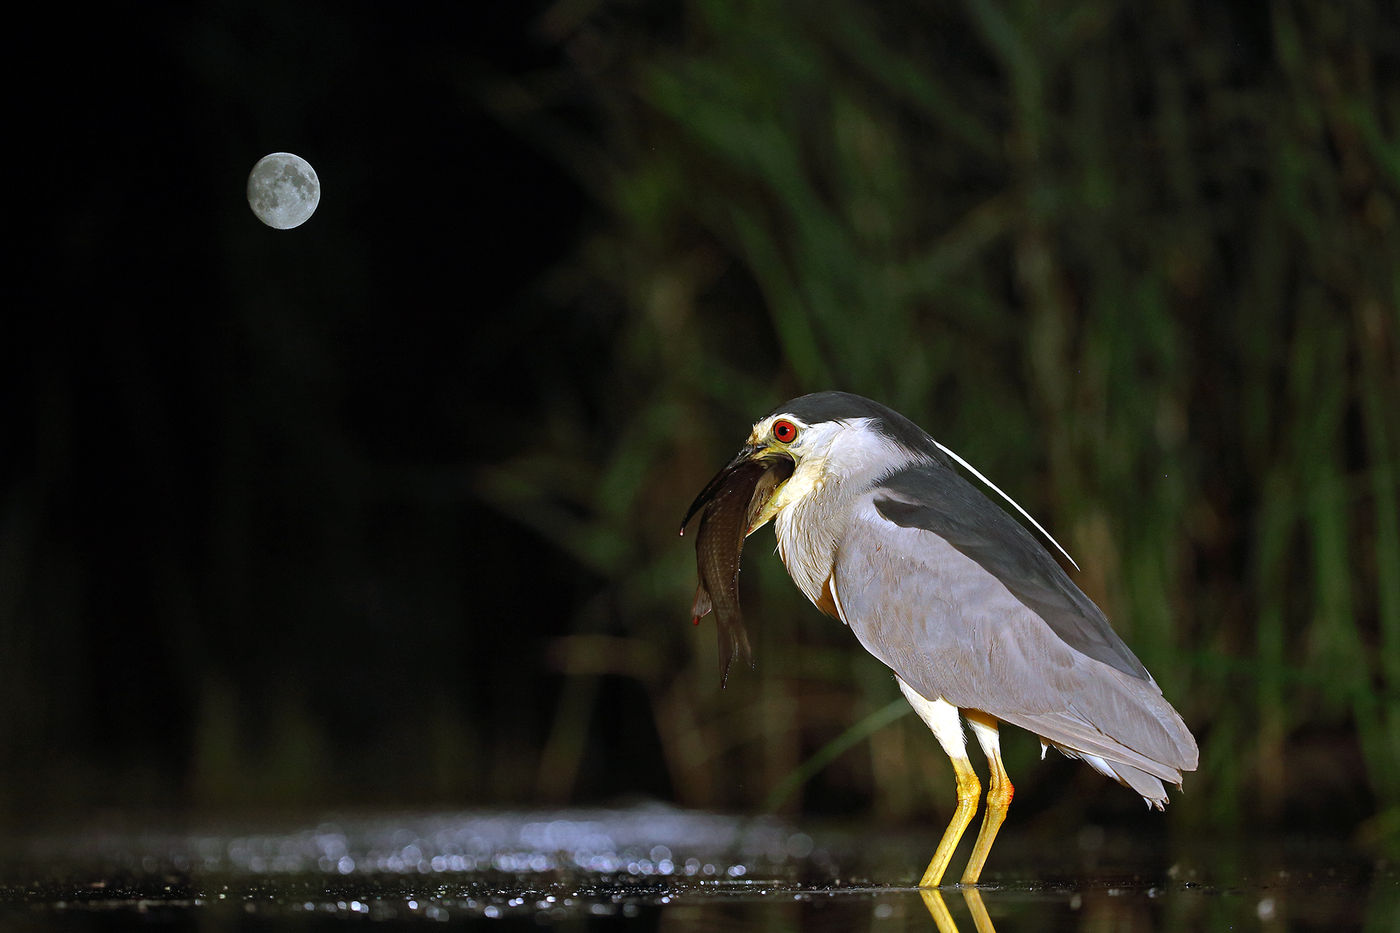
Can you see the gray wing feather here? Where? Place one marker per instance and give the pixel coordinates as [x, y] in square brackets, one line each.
[953, 630]
[934, 498]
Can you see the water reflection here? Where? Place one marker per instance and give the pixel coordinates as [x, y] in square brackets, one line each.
[937, 909]
[1097, 912]
[663, 869]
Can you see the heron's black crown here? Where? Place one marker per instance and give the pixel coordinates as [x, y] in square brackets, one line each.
[819, 407]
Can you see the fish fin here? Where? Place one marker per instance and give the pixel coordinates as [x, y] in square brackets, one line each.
[733, 639]
[702, 605]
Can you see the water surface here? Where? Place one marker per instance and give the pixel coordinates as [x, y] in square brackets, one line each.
[655, 867]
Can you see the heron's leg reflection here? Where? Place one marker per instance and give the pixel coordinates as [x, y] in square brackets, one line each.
[942, 919]
[938, 910]
[980, 920]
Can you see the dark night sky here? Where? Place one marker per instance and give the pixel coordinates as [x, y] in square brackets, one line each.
[241, 454]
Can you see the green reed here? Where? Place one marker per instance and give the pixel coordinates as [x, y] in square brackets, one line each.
[1138, 265]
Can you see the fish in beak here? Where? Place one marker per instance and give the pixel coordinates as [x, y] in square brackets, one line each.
[732, 502]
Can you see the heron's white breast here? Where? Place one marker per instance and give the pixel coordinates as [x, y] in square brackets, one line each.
[816, 505]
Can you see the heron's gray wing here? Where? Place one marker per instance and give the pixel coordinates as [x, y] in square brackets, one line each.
[953, 630]
[936, 499]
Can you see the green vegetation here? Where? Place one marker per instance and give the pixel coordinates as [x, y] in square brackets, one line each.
[1139, 263]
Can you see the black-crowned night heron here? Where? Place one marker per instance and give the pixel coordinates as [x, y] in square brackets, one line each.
[972, 613]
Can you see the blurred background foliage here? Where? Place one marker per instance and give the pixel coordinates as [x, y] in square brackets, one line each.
[398, 527]
[1142, 264]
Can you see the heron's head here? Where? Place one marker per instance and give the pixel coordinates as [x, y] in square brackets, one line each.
[824, 438]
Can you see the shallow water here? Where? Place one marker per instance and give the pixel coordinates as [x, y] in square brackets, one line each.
[654, 867]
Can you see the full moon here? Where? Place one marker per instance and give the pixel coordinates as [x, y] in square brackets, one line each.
[283, 190]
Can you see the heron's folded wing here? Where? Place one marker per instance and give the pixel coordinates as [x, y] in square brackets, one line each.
[953, 630]
[933, 498]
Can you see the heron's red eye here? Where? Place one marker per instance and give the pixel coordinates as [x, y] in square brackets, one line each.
[784, 432]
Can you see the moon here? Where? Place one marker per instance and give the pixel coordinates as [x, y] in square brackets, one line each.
[283, 190]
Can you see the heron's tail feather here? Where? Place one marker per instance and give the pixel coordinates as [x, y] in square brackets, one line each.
[1148, 785]
[1113, 757]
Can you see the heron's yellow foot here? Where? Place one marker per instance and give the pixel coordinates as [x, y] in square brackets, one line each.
[998, 802]
[969, 789]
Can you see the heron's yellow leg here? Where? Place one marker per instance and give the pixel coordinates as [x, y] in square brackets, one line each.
[998, 796]
[942, 718]
[969, 789]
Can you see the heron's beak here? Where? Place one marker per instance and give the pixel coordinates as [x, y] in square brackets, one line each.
[781, 468]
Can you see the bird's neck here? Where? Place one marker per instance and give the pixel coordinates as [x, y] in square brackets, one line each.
[813, 522]
[816, 505]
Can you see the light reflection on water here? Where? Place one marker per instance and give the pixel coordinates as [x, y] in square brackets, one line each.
[661, 868]
[639, 842]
